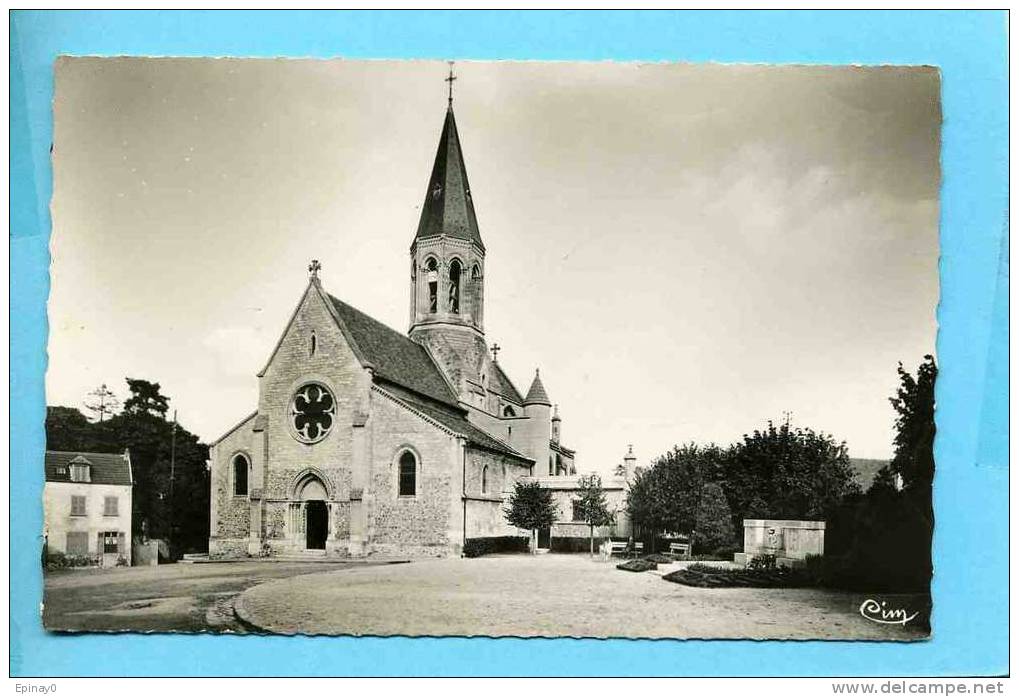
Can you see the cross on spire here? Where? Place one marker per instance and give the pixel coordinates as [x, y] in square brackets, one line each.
[450, 80]
[314, 267]
[496, 348]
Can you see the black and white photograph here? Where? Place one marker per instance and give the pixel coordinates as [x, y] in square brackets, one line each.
[492, 348]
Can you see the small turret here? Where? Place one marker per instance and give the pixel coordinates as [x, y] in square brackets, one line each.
[625, 469]
[537, 409]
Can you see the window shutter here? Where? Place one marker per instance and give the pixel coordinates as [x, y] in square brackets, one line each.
[99, 546]
[121, 543]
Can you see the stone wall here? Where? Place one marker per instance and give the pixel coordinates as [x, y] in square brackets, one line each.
[333, 365]
[230, 516]
[429, 522]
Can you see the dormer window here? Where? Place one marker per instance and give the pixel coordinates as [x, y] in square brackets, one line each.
[81, 470]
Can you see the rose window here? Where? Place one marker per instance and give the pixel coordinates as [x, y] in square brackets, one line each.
[312, 413]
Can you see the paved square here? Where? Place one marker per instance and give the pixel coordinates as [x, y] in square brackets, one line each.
[547, 595]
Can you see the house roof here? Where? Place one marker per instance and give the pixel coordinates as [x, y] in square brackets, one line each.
[448, 208]
[455, 420]
[105, 468]
[537, 393]
[501, 384]
[393, 356]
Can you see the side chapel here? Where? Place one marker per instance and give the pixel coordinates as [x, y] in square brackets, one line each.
[366, 440]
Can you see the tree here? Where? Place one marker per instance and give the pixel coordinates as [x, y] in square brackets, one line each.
[531, 507]
[68, 429]
[713, 528]
[145, 398]
[914, 430]
[591, 505]
[102, 403]
[787, 473]
[666, 496]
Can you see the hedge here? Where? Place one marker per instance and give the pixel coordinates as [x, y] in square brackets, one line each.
[576, 544]
[480, 546]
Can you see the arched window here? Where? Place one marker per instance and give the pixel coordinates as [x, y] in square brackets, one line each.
[551, 465]
[484, 479]
[509, 411]
[240, 475]
[476, 273]
[432, 269]
[314, 343]
[454, 286]
[408, 474]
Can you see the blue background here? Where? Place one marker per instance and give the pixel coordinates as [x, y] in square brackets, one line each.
[971, 499]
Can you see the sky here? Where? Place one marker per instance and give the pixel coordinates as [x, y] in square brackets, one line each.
[685, 250]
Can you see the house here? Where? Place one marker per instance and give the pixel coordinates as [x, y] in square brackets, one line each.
[87, 506]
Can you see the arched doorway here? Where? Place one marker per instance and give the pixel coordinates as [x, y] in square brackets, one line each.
[312, 494]
[318, 525]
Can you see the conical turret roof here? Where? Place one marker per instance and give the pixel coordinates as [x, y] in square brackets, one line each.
[537, 393]
[448, 208]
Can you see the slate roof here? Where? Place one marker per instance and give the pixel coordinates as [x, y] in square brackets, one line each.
[455, 420]
[537, 393]
[448, 208]
[501, 384]
[393, 355]
[107, 468]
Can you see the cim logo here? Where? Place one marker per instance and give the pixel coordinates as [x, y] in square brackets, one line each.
[880, 612]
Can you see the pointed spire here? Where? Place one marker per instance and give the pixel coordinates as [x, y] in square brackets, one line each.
[448, 208]
[537, 393]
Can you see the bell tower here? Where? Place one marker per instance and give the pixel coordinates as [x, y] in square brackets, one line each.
[447, 272]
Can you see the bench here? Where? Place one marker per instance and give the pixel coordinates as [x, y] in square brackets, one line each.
[621, 547]
[680, 550]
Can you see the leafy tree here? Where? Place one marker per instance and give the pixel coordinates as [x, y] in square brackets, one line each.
[531, 507]
[914, 430]
[666, 496]
[787, 473]
[713, 520]
[591, 506]
[889, 532]
[68, 429]
[145, 398]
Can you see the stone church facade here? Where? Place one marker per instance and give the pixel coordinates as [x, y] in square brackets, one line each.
[366, 440]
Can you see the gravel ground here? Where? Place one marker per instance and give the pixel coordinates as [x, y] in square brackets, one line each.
[174, 597]
[547, 595]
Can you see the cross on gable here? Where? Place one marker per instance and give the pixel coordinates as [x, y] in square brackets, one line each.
[495, 351]
[314, 267]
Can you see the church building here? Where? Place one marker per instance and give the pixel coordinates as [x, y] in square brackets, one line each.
[366, 440]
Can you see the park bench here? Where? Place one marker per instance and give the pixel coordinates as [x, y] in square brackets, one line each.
[621, 548]
[680, 550]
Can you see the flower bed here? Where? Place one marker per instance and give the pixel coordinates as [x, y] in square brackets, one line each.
[658, 558]
[704, 576]
[637, 565]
